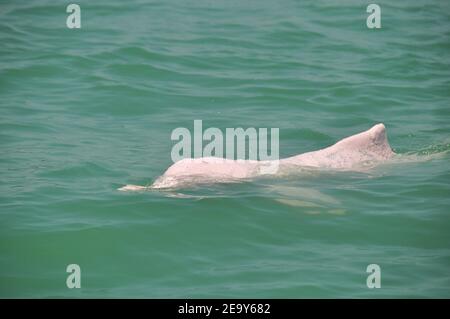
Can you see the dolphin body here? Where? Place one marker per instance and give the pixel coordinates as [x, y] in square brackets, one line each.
[351, 153]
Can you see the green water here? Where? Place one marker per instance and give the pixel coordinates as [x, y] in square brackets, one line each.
[83, 112]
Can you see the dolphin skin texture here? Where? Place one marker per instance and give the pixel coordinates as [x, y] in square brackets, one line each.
[351, 153]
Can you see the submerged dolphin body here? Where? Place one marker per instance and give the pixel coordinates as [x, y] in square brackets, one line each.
[351, 153]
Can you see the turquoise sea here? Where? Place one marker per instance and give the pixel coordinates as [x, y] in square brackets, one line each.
[86, 111]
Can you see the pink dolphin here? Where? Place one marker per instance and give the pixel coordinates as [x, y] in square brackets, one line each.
[350, 153]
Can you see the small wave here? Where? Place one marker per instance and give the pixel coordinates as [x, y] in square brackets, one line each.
[433, 152]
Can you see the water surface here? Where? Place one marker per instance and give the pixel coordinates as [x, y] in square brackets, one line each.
[83, 112]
